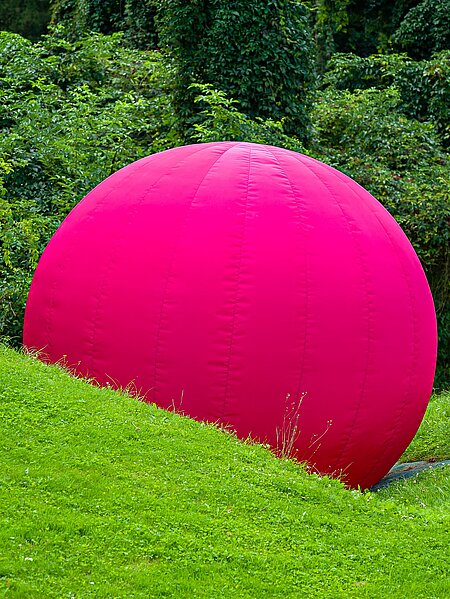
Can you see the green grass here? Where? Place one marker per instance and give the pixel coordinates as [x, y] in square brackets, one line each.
[104, 496]
[433, 437]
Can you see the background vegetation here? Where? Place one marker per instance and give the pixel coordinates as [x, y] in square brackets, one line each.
[366, 88]
[27, 17]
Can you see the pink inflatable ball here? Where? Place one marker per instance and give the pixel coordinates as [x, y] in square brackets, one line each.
[268, 290]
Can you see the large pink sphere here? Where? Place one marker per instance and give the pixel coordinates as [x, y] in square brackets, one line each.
[252, 286]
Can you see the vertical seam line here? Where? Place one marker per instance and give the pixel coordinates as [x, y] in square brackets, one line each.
[237, 293]
[171, 265]
[88, 216]
[413, 353]
[301, 221]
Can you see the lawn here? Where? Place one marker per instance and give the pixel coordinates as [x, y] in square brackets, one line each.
[104, 496]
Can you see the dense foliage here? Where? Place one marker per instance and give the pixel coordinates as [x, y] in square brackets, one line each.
[352, 26]
[27, 17]
[259, 53]
[423, 86]
[134, 17]
[78, 105]
[425, 29]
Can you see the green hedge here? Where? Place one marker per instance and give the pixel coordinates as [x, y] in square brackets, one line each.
[425, 29]
[423, 86]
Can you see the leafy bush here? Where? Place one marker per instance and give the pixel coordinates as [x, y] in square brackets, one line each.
[133, 17]
[359, 27]
[23, 234]
[424, 86]
[70, 115]
[425, 29]
[221, 121]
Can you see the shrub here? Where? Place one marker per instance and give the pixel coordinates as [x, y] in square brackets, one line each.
[424, 86]
[359, 27]
[221, 121]
[425, 29]
[136, 18]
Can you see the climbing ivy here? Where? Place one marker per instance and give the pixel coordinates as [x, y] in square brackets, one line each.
[425, 29]
[259, 53]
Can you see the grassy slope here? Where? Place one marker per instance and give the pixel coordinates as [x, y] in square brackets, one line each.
[103, 496]
[433, 438]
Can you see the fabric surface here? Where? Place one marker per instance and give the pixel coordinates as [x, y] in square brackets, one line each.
[251, 286]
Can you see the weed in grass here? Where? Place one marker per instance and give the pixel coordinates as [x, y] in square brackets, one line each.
[315, 441]
[177, 407]
[287, 435]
